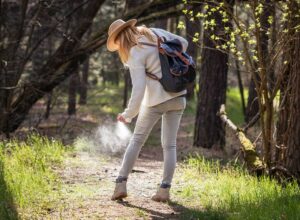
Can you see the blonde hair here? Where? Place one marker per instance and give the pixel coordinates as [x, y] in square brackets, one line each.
[129, 37]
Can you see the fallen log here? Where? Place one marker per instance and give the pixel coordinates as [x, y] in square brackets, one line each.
[252, 160]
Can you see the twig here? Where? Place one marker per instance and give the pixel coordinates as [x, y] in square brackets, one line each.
[252, 122]
[64, 124]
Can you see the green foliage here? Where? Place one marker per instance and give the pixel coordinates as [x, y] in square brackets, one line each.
[238, 27]
[27, 180]
[229, 192]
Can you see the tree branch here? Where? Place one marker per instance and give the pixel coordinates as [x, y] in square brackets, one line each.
[253, 162]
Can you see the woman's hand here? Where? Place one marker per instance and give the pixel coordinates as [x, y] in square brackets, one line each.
[121, 118]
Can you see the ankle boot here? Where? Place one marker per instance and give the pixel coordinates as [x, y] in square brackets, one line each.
[162, 195]
[120, 189]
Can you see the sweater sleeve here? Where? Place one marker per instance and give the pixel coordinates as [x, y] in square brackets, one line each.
[136, 66]
[170, 36]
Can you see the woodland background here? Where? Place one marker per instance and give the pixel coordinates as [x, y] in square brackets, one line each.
[59, 82]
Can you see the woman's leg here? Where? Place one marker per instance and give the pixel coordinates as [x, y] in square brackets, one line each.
[170, 126]
[147, 118]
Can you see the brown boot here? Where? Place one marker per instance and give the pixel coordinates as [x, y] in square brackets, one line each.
[120, 190]
[162, 195]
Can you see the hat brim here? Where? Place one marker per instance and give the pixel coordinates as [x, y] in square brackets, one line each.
[111, 45]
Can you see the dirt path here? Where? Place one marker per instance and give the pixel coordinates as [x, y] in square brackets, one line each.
[88, 185]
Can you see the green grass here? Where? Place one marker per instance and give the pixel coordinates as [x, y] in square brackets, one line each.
[228, 192]
[234, 105]
[27, 180]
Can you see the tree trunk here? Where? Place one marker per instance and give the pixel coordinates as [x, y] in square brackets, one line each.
[172, 25]
[84, 75]
[84, 82]
[271, 76]
[252, 104]
[241, 87]
[162, 23]
[48, 105]
[49, 95]
[73, 88]
[293, 123]
[126, 88]
[9, 62]
[209, 129]
[176, 21]
[131, 5]
[288, 132]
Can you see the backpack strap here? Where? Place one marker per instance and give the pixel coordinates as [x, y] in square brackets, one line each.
[159, 41]
[148, 44]
[158, 37]
[152, 76]
[183, 59]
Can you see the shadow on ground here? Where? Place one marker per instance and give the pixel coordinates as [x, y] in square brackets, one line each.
[262, 210]
[180, 212]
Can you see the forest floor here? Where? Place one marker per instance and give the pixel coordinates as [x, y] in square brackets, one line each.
[208, 183]
[88, 183]
[87, 178]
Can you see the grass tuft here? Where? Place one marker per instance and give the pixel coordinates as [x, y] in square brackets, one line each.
[214, 191]
[27, 180]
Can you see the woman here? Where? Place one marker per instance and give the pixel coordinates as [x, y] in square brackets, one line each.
[148, 99]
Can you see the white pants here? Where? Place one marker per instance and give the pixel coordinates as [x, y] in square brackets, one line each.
[171, 112]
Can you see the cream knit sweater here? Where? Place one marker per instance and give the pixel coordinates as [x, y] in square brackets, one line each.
[147, 91]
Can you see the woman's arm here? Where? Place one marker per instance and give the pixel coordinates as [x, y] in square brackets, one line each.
[138, 78]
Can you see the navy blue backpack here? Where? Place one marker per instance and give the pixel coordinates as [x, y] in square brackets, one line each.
[178, 68]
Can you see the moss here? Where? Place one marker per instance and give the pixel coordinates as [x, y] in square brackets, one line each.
[251, 157]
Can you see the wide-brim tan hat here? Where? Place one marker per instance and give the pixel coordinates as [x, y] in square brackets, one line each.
[114, 29]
